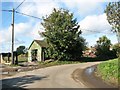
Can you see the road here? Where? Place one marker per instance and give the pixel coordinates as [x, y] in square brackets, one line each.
[50, 77]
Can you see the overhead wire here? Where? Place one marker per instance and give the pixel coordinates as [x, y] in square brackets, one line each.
[41, 19]
[19, 5]
[7, 10]
[28, 15]
[94, 31]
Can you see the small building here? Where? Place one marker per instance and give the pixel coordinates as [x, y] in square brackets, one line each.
[36, 50]
[5, 58]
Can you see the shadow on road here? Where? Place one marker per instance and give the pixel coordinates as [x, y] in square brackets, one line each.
[96, 59]
[20, 82]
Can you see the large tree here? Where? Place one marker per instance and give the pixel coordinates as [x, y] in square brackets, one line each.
[63, 36]
[113, 16]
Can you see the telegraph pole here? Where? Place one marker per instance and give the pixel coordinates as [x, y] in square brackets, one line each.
[12, 52]
[13, 15]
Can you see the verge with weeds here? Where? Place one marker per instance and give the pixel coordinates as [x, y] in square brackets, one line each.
[108, 71]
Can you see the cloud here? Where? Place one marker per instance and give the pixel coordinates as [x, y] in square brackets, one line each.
[23, 33]
[95, 23]
[62, 0]
[20, 30]
[39, 9]
[35, 31]
[84, 7]
[5, 35]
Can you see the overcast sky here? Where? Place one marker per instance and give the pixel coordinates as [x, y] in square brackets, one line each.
[89, 13]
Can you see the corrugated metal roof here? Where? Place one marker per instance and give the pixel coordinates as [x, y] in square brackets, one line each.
[42, 43]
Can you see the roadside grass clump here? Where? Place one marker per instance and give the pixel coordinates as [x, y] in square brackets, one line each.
[13, 65]
[108, 71]
[57, 62]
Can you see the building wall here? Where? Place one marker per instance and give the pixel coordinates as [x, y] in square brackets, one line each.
[35, 46]
[1, 59]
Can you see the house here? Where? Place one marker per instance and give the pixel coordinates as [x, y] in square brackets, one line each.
[36, 50]
[90, 52]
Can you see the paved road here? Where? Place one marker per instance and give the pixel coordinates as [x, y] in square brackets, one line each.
[50, 77]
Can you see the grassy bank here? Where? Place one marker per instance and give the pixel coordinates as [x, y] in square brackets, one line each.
[108, 71]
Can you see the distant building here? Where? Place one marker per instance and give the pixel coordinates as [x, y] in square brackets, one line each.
[36, 50]
[89, 52]
[5, 58]
[1, 58]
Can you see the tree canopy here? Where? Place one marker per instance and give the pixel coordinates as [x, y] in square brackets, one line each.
[103, 48]
[20, 50]
[63, 35]
[113, 16]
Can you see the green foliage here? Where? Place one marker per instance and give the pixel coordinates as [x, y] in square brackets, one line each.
[113, 16]
[103, 48]
[20, 50]
[63, 36]
[116, 48]
[109, 71]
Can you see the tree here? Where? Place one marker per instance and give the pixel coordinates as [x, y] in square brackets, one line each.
[116, 48]
[20, 50]
[103, 48]
[63, 36]
[113, 16]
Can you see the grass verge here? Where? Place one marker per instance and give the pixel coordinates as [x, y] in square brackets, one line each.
[53, 63]
[108, 71]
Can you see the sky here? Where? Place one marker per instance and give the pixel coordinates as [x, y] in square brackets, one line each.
[89, 13]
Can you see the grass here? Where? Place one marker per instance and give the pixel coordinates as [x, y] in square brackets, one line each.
[22, 59]
[12, 65]
[108, 71]
[53, 63]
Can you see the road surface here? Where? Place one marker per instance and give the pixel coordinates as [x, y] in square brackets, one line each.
[50, 77]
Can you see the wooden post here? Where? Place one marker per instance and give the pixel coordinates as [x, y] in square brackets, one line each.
[16, 61]
[8, 57]
[12, 53]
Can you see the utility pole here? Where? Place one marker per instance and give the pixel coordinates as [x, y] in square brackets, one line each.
[12, 53]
